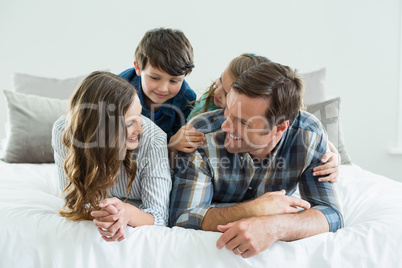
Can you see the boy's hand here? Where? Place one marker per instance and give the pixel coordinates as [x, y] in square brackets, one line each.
[187, 139]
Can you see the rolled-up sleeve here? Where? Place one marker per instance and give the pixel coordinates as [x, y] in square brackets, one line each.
[321, 195]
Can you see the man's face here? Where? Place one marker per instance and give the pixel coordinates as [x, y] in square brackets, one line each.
[246, 126]
[157, 85]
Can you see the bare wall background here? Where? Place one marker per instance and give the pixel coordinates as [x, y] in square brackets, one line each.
[357, 41]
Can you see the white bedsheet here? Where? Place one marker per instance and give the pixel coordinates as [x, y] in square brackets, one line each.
[33, 234]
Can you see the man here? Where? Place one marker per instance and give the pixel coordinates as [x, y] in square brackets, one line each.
[266, 147]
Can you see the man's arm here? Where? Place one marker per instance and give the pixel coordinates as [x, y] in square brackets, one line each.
[321, 195]
[192, 191]
[192, 194]
[249, 237]
[268, 204]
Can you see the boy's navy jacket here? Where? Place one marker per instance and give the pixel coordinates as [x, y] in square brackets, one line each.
[173, 113]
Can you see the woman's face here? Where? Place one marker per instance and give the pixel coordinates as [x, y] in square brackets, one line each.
[133, 122]
[222, 89]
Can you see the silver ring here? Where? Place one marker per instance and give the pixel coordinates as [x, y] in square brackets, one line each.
[241, 252]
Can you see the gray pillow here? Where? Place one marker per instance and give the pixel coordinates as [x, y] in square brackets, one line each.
[31, 120]
[328, 113]
[46, 87]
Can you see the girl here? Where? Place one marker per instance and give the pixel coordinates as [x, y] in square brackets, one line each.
[215, 97]
[105, 150]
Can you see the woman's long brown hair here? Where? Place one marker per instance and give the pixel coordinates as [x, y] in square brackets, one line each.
[96, 141]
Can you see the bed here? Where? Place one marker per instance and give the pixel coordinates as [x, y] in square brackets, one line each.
[33, 234]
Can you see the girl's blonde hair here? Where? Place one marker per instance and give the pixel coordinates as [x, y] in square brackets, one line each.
[235, 68]
[96, 141]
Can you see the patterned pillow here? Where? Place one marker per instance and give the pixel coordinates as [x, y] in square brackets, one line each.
[328, 113]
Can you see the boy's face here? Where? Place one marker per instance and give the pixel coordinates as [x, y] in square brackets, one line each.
[158, 85]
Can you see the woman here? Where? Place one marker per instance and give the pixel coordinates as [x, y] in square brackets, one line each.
[106, 151]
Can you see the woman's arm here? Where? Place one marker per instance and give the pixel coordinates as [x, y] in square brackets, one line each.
[60, 151]
[154, 174]
[114, 216]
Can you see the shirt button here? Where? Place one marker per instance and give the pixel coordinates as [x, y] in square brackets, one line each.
[250, 188]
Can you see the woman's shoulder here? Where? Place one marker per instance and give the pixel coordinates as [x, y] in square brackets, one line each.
[59, 127]
[60, 124]
[151, 131]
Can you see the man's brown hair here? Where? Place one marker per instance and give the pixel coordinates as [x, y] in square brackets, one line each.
[280, 85]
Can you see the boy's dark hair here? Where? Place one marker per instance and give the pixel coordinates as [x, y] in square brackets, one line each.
[278, 84]
[166, 49]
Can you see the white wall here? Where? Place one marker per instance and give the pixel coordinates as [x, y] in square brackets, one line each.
[357, 41]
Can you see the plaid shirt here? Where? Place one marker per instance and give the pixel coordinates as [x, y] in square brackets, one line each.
[209, 121]
[213, 175]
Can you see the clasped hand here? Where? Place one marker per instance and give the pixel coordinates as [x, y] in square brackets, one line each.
[111, 220]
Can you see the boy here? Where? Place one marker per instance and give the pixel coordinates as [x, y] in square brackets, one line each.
[162, 59]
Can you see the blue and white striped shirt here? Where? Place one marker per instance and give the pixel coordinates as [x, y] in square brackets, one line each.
[213, 175]
[152, 184]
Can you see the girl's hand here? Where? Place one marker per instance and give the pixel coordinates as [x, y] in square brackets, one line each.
[331, 166]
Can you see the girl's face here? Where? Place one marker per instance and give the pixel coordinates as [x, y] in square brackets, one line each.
[133, 122]
[222, 89]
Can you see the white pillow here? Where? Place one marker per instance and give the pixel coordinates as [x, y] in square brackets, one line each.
[46, 87]
[314, 87]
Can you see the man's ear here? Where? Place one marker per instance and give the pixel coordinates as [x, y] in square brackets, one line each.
[137, 68]
[282, 127]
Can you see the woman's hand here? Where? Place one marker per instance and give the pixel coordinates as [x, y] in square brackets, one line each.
[187, 139]
[331, 166]
[111, 219]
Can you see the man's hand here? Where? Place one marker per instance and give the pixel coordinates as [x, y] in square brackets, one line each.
[276, 203]
[111, 219]
[247, 237]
